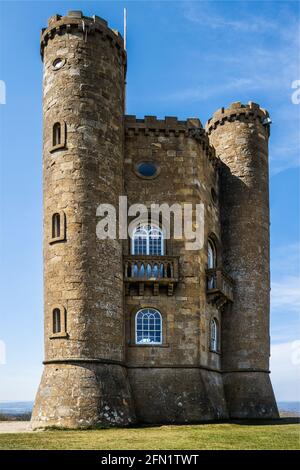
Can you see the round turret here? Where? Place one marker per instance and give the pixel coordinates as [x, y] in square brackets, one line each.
[83, 109]
[240, 136]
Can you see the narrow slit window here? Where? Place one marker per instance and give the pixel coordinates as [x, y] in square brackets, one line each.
[56, 321]
[56, 139]
[214, 335]
[211, 255]
[56, 225]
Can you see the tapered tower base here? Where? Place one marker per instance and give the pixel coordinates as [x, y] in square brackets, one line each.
[250, 395]
[82, 395]
[177, 395]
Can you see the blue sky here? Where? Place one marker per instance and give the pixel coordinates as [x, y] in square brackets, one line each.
[186, 59]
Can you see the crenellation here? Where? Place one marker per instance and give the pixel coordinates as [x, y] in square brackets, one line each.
[76, 22]
[192, 127]
[237, 111]
[208, 356]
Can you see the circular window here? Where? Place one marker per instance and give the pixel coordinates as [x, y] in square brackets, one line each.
[147, 169]
[58, 63]
[214, 196]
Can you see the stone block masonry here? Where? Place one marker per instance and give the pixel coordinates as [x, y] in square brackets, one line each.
[212, 357]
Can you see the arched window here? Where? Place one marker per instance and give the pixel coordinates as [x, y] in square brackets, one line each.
[148, 326]
[59, 322]
[56, 228]
[214, 335]
[211, 255]
[56, 321]
[56, 134]
[147, 240]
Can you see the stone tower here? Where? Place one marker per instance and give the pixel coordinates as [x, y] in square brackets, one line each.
[145, 329]
[84, 380]
[240, 137]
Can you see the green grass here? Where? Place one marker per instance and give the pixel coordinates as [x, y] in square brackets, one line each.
[283, 434]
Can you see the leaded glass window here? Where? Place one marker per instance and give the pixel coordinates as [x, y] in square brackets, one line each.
[148, 326]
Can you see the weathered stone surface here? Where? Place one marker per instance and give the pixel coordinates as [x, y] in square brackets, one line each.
[177, 395]
[244, 205]
[82, 395]
[81, 274]
[95, 373]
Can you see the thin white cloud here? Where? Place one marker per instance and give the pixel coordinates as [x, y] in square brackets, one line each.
[284, 157]
[256, 67]
[285, 286]
[284, 330]
[202, 92]
[285, 294]
[207, 16]
[285, 261]
[285, 370]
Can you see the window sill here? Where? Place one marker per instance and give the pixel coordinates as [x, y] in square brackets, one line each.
[57, 147]
[215, 352]
[59, 335]
[56, 240]
[149, 345]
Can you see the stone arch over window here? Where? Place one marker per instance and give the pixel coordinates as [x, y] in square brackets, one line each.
[56, 134]
[211, 254]
[148, 327]
[59, 135]
[214, 335]
[58, 227]
[214, 245]
[58, 322]
[213, 260]
[147, 239]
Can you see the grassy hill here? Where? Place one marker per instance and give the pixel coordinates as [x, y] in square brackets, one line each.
[282, 434]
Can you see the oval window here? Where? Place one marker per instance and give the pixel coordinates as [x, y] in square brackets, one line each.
[58, 63]
[147, 169]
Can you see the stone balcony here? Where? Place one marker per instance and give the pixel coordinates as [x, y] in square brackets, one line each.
[219, 287]
[156, 271]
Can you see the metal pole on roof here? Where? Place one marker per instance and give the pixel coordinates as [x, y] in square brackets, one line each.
[125, 28]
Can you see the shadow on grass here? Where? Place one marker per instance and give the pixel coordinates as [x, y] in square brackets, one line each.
[266, 422]
[240, 422]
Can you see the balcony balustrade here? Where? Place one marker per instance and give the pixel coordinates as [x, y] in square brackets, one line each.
[219, 287]
[141, 270]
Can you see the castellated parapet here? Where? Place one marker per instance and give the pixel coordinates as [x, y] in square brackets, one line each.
[146, 330]
[240, 137]
[85, 381]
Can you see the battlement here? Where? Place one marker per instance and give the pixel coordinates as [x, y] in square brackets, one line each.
[76, 21]
[192, 127]
[237, 112]
[168, 124]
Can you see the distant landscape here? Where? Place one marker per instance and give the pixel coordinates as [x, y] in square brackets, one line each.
[263, 434]
[21, 410]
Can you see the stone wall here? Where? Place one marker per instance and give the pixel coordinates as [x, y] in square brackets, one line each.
[240, 136]
[95, 373]
[187, 173]
[82, 275]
